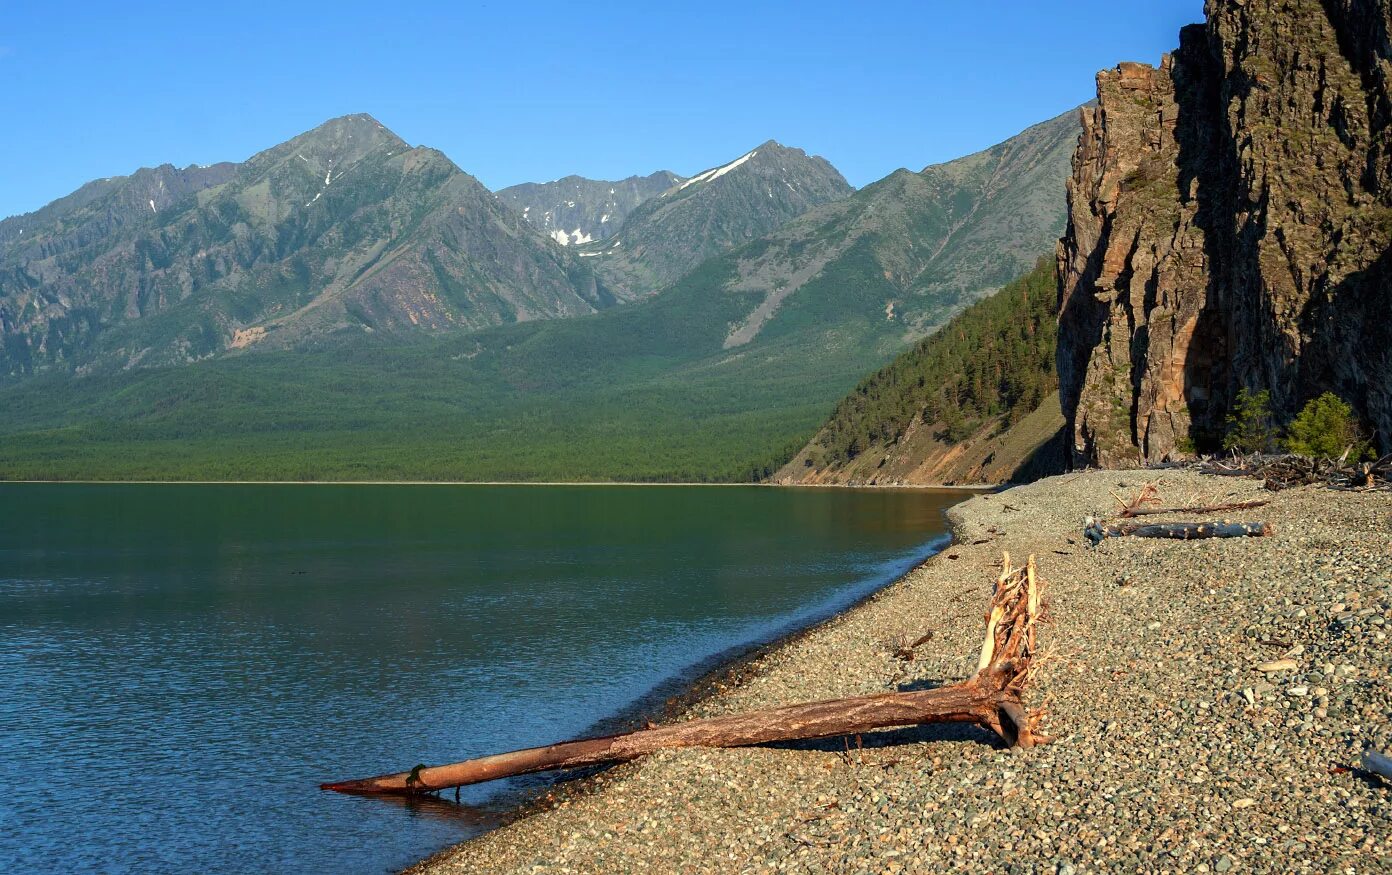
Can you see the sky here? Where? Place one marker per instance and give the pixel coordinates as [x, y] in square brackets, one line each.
[533, 90]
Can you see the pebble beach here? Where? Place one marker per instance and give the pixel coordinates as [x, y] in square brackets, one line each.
[1210, 701]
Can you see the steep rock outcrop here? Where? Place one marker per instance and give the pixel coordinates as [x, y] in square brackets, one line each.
[1230, 216]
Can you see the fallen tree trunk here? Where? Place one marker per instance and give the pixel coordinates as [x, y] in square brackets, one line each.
[990, 699]
[1097, 533]
[1131, 512]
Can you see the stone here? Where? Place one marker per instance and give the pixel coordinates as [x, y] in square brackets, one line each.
[1206, 254]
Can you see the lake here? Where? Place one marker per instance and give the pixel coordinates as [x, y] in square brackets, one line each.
[181, 665]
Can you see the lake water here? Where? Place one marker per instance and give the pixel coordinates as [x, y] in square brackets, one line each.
[181, 665]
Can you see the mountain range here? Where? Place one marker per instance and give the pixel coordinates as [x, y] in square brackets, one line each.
[347, 306]
[420, 326]
[344, 229]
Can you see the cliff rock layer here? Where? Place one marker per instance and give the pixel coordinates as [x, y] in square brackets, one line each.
[1230, 225]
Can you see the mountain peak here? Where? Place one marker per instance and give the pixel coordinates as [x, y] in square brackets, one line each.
[353, 122]
[775, 146]
[770, 157]
[727, 205]
[341, 140]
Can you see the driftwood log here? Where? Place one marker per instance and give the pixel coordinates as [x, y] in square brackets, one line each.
[1147, 503]
[990, 699]
[1097, 532]
[1196, 509]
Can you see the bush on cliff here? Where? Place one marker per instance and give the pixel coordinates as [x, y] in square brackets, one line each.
[1249, 425]
[1326, 428]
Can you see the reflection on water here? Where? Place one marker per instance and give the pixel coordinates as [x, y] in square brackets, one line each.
[181, 665]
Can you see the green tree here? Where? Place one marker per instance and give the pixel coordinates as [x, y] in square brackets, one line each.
[1249, 423]
[1327, 427]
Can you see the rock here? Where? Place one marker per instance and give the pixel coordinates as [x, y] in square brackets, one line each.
[1191, 213]
[1278, 665]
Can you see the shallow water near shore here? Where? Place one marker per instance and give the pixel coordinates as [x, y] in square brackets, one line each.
[181, 665]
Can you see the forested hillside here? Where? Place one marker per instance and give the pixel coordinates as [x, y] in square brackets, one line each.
[978, 378]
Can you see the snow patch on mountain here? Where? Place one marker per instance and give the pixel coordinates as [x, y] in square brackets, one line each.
[571, 238]
[717, 172]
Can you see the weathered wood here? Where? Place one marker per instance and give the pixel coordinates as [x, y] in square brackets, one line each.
[1379, 763]
[971, 702]
[1097, 533]
[990, 699]
[1284, 471]
[1149, 494]
[1194, 531]
[1129, 512]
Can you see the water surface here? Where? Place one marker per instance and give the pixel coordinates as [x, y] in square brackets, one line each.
[181, 665]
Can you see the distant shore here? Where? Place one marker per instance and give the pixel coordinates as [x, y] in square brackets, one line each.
[1174, 751]
[953, 488]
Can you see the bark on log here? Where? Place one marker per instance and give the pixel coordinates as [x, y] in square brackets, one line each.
[1097, 533]
[1131, 512]
[990, 699]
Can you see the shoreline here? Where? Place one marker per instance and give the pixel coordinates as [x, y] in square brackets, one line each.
[676, 697]
[983, 487]
[668, 701]
[1168, 632]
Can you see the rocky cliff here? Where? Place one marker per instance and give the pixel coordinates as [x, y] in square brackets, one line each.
[1230, 215]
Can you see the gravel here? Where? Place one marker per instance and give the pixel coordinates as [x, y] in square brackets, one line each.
[1175, 750]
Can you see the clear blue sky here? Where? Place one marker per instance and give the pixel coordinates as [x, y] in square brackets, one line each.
[534, 90]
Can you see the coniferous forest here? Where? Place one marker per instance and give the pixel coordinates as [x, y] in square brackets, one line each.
[994, 359]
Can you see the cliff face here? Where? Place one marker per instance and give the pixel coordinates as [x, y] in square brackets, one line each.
[1230, 218]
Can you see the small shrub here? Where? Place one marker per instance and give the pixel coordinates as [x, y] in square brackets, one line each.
[1327, 427]
[1249, 423]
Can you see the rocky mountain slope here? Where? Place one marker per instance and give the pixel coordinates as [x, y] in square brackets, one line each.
[105, 207]
[668, 235]
[346, 228]
[909, 251]
[1230, 226]
[976, 402]
[577, 210]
